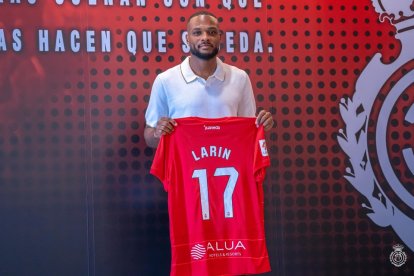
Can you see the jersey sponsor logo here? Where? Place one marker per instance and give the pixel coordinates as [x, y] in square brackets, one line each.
[225, 245]
[198, 252]
[215, 249]
[263, 147]
[211, 127]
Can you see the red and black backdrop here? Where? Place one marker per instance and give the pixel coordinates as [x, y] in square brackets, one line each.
[76, 196]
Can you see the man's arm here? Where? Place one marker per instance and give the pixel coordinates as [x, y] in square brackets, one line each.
[152, 135]
[149, 136]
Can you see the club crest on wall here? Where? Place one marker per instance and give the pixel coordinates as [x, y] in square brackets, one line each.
[378, 118]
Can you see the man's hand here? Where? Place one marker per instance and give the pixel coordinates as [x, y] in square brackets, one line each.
[153, 135]
[164, 126]
[265, 118]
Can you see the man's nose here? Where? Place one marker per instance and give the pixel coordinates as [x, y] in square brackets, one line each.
[205, 35]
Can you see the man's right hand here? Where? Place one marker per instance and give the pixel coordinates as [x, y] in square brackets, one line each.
[153, 135]
[164, 126]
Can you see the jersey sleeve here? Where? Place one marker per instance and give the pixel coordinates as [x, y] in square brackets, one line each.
[159, 167]
[261, 156]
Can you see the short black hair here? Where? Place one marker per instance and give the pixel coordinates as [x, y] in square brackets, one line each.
[201, 13]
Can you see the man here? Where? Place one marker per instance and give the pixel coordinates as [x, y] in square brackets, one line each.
[202, 85]
[210, 164]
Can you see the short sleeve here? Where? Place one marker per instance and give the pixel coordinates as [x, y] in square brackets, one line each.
[247, 106]
[158, 105]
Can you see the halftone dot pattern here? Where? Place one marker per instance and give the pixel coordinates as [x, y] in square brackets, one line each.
[77, 153]
[321, 49]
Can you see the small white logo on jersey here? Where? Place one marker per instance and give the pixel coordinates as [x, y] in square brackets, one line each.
[263, 147]
[198, 251]
[211, 127]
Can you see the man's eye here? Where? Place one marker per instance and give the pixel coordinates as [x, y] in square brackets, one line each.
[212, 32]
[197, 33]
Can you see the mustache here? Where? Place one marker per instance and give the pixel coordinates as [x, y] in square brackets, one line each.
[205, 44]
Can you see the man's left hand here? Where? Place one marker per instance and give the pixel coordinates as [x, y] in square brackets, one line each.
[265, 118]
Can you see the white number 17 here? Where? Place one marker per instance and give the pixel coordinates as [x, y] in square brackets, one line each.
[228, 191]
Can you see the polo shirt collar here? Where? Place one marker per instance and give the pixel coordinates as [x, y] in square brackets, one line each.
[189, 75]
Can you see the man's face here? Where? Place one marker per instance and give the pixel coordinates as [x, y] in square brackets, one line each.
[203, 36]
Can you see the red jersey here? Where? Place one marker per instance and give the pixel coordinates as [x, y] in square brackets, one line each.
[213, 170]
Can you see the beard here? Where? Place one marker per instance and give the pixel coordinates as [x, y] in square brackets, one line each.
[205, 56]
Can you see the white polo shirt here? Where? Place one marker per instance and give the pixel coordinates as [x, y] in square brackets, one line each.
[178, 93]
